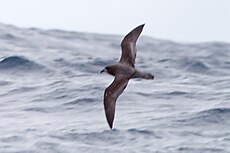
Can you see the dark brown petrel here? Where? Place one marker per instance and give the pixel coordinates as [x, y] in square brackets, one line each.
[123, 71]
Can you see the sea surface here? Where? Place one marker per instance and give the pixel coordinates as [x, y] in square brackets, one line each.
[51, 95]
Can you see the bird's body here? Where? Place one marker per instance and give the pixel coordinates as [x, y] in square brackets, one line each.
[123, 72]
[120, 69]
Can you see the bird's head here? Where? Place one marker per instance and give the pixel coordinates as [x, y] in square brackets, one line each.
[108, 69]
[104, 70]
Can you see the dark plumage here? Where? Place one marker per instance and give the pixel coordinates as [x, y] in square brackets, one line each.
[123, 72]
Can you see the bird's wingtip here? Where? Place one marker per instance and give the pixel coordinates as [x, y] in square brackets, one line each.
[142, 25]
[111, 125]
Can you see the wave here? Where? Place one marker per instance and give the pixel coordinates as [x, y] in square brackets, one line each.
[101, 62]
[19, 63]
[216, 115]
[210, 116]
[3, 83]
[177, 93]
[81, 101]
[107, 135]
[8, 36]
[193, 65]
[143, 132]
[197, 66]
[88, 65]
[208, 149]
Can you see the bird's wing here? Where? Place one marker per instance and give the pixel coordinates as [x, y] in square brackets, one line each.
[128, 46]
[110, 96]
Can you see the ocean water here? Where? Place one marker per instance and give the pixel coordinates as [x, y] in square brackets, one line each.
[51, 97]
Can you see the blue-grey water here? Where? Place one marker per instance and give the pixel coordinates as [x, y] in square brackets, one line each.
[51, 95]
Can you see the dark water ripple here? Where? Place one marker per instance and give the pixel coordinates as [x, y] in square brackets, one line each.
[14, 62]
[215, 116]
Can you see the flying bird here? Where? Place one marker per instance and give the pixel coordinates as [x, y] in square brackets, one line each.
[123, 72]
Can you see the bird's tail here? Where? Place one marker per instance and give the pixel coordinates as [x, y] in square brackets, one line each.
[143, 75]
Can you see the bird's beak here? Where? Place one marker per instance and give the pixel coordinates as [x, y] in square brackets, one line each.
[102, 71]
